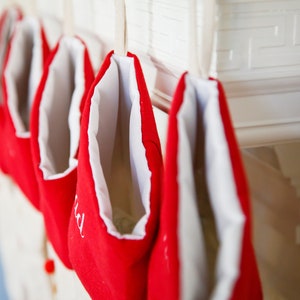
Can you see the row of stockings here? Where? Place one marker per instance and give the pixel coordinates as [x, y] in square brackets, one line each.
[86, 154]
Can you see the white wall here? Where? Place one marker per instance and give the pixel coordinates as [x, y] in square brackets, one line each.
[258, 57]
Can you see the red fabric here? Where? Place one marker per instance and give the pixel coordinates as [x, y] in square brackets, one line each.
[248, 285]
[164, 267]
[108, 267]
[56, 195]
[4, 17]
[18, 150]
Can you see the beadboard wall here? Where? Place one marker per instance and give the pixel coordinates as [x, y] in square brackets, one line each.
[257, 54]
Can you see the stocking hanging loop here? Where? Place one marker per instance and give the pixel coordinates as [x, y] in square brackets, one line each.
[32, 7]
[68, 18]
[120, 28]
[200, 61]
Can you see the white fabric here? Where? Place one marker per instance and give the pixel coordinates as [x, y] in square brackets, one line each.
[23, 72]
[22, 245]
[68, 18]
[116, 100]
[208, 36]
[193, 268]
[200, 62]
[194, 67]
[120, 28]
[32, 8]
[59, 119]
[222, 192]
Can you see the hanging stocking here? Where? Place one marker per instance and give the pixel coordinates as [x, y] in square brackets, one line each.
[22, 72]
[203, 249]
[116, 208]
[25, 59]
[55, 131]
[7, 22]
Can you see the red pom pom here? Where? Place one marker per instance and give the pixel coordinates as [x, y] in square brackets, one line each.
[49, 266]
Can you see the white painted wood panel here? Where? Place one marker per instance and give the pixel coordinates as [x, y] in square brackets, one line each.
[257, 54]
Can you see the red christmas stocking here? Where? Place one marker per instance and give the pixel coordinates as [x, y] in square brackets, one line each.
[55, 129]
[7, 22]
[203, 249]
[26, 56]
[118, 190]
